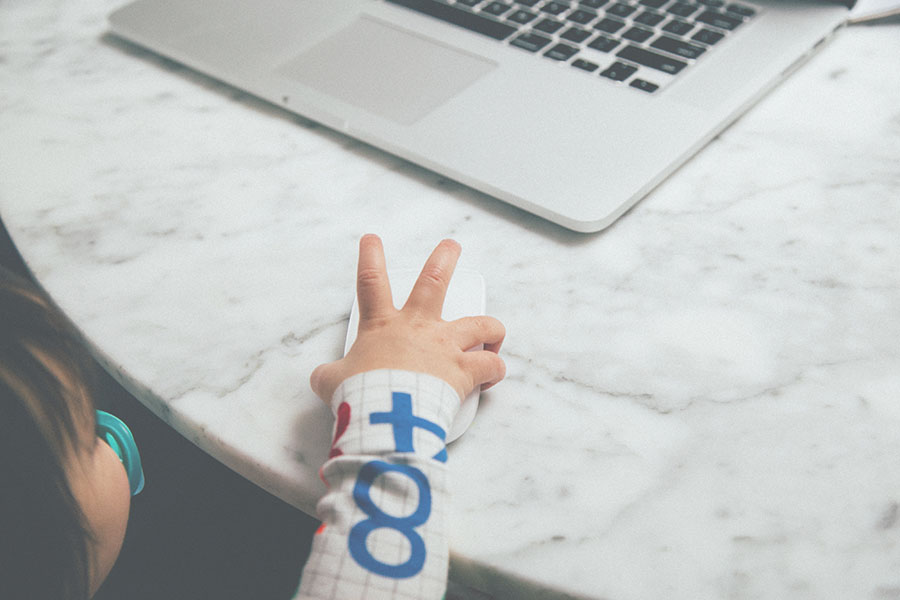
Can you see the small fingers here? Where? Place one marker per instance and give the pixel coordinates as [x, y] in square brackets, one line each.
[486, 368]
[427, 296]
[373, 290]
[470, 332]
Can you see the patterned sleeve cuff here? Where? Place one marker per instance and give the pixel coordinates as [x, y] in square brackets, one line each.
[385, 411]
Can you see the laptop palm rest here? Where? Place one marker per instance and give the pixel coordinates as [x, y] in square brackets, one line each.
[386, 70]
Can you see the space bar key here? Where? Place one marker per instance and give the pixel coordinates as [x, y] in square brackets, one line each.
[460, 17]
[652, 60]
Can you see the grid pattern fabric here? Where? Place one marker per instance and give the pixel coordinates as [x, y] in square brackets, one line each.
[384, 515]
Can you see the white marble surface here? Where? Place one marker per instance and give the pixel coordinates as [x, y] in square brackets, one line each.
[702, 402]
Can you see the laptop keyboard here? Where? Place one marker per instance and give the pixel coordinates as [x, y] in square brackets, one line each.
[641, 44]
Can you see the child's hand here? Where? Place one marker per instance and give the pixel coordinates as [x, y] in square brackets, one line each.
[415, 338]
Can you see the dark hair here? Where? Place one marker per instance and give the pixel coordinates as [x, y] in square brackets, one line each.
[45, 405]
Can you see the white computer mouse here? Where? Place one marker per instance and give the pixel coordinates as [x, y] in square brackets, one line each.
[465, 298]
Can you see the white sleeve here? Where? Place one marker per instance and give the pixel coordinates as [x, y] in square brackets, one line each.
[383, 531]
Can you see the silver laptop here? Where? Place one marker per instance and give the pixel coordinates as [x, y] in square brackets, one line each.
[572, 111]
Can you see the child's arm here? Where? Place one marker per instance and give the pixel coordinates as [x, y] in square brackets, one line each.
[394, 396]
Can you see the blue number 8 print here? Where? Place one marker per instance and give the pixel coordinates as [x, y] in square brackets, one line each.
[378, 519]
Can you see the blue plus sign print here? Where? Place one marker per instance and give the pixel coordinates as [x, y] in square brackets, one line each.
[402, 419]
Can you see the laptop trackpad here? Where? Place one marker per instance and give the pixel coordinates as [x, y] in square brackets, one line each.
[386, 70]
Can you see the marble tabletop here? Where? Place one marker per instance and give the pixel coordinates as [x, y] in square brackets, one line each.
[702, 401]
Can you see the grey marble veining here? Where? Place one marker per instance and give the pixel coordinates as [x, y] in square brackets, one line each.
[702, 402]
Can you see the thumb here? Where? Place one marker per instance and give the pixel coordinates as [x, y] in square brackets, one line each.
[321, 381]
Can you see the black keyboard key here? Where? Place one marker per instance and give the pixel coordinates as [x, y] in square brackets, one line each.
[496, 8]
[603, 44]
[528, 3]
[575, 34]
[619, 71]
[677, 47]
[739, 9]
[585, 65]
[460, 17]
[555, 8]
[593, 3]
[649, 18]
[582, 17]
[521, 17]
[653, 3]
[677, 27]
[712, 3]
[707, 36]
[682, 9]
[638, 34]
[561, 52]
[530, 41]
[717, 19]
[609, 25]
[549, 26]
[469, 3]
[644, 85]
[620, 10]
[653, 60]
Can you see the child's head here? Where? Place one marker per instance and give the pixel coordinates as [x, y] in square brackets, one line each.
[64, 494]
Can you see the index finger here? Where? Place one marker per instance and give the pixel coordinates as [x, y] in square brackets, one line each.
[373, 290]
[427, 295]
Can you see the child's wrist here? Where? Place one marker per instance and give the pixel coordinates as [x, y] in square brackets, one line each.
[395, 395]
